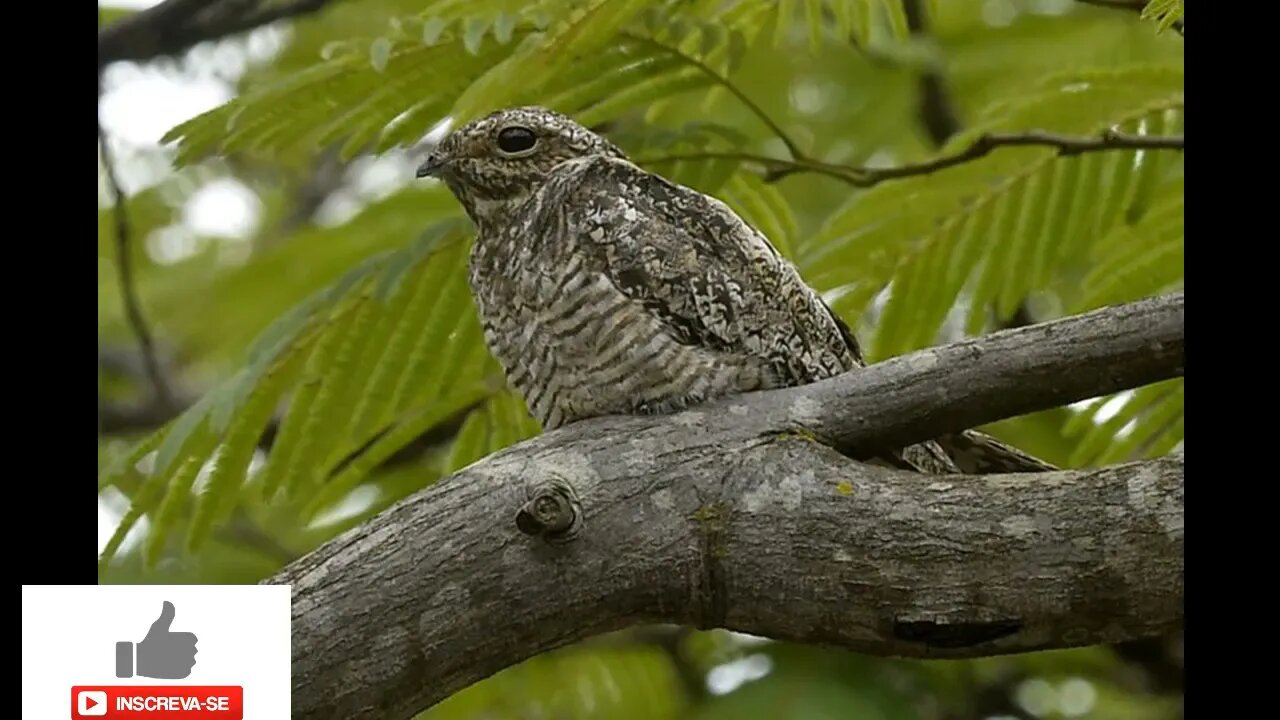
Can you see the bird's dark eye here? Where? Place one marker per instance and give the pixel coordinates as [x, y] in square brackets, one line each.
[516, 139]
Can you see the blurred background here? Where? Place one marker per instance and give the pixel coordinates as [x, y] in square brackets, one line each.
[313, 356]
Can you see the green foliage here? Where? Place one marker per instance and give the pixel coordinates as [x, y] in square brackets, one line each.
[362, 358]
[341, 367]
[997, 228]
[108, 14]
[1164, 12]
[607, 683]
[1147, 424]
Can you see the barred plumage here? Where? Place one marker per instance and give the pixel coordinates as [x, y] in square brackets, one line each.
[604, 289]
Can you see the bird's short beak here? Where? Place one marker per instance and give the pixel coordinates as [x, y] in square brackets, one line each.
[432, 166]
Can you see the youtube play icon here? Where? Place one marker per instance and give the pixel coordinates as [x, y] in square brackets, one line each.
[91, 703]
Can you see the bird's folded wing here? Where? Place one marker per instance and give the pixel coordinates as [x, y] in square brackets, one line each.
[697, 266]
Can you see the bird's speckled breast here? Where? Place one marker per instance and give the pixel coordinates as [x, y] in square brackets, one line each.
[573, 345]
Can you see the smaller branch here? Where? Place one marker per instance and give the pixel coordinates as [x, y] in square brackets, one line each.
[128, 293]
[778, 168]
[1066, 145]
[775, 168]
[175, 25]
[1136, 7]
[117, 418]
[937, 111]
[1159, 659]
[269, 15]
[327, 176]
[792, 148]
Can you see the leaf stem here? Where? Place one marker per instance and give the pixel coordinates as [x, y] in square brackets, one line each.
[794, 149]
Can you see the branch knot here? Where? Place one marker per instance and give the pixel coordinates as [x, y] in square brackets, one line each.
[552, 511]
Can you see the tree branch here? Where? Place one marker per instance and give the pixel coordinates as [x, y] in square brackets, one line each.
[730, 515]
[175, 25]
[1160, 660]
[1065, 144]
[128, 292]
[777, 168]
[937, 111]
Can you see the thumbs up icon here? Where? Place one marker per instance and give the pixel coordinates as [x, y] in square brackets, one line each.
[161, 654]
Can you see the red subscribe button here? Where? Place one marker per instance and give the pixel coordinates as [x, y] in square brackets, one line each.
[170, 702]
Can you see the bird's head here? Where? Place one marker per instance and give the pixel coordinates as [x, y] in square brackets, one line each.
[493, 164]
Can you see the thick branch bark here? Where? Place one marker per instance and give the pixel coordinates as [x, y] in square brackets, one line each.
[723, 516]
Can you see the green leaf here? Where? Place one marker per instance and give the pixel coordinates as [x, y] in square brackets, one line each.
[813, 13]
[109, 15]
[400, 435]
[410, 311]
[344, 98]
[380, 53]
[1164, 12]
[432, 29]
[509, 421]
[782, 26]
[145, 500]
[449, 310]
[376, 344]
[1146, 423]
[180, 433]
[312, 422]
[125, 468]
[231, 459]
[473, 30]
[504, 26]
[176, 497]
[1139, 260]
[472, 442]
[543, 55]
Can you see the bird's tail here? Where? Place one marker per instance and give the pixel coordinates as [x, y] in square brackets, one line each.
[977, 453]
